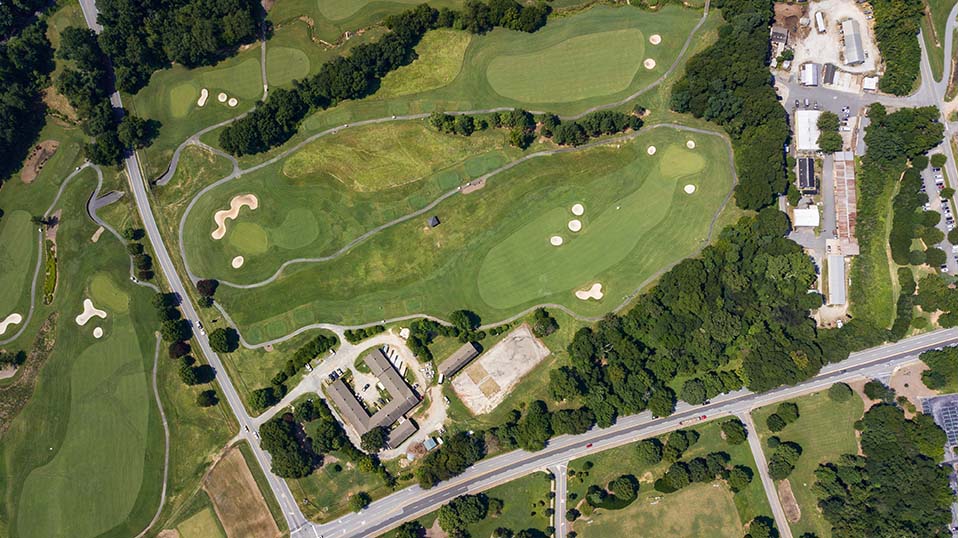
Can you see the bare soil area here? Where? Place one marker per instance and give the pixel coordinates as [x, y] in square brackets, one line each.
[792, 511]
[906, 381]
[787, 15]
[38, 157]
[237, 500]
[489, 379]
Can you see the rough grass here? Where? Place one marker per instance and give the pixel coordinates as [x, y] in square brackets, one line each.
[237, 498]
[440, 58]
[411, 268]
[825, 430]
[578, 68]
[328, 491]
[84, 456]
[17, 259]
[202, 524]
[934, 26]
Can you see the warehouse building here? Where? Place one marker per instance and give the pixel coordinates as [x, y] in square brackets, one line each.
[458, 360]
[854, 51]
[806, 130]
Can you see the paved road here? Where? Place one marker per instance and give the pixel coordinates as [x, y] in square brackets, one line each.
[413, 502]
[560, 471]
[294, 516]
[768, 484]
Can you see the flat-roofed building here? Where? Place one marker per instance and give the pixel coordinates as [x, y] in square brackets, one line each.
[836, 279]
[806, 129]
[400, 433]
[806, 176]
[854, 51]
[810, 74]
[806, 218]
[459, 359]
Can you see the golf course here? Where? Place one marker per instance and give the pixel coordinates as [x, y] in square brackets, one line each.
[643, 209]
[17, 258]
[84, 457]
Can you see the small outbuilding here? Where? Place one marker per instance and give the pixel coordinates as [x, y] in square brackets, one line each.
[870, 84]
[806, 176]
[807, 218]
[433, 221]
[810, 74]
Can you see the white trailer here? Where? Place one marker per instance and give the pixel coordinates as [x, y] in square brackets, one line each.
[820, 22]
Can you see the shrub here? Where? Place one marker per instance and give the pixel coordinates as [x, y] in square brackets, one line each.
[840, 392]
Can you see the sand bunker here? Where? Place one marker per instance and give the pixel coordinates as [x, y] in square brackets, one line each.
[649, 63]
[595, 292]
[237, 262]
[689, 189]
[575, 225]
[651, 150]
[88, 312]
[12, 319]
[237, 203]
[221, 97]
[690, 144]
[204, 95]
[578, 210]
[556, 240]
[97, 234]
[98, 332]
[233, 102]
[655, 39]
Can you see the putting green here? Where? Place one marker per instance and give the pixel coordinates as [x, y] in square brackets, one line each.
[106, 294]
[299, 229]
[578, 68]
[678, 161]
[285, 64]
[17, 257]
[440, 60]
[241, 79]
[249, 238]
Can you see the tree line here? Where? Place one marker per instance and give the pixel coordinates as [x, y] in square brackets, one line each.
[728, 83]
[274, 121]
[269, 396]
[26, 61]
[87, 85]
[896, 29]
[144, 36]
[911, 221]
[177, 332]
[523, 125]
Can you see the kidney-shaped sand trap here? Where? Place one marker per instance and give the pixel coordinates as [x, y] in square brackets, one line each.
[204, 95]
[237, 203]
[689, 189]
[88, 312]
[12, 319]
[575, 225]
[595, 292]
[237, 262]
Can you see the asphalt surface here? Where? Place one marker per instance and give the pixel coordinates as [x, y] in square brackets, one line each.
[560, 472]
[761, 462]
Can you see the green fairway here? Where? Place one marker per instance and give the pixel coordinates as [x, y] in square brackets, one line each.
[336, 188]
[492, 252]
[341, 9]
[84, 457]
[825, 430]
[440, 59]
[17, 259]
[578, 68]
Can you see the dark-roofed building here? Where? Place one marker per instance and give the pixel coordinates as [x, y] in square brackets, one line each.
[828, 74]
[779, 34]
[402, 400]
[806, 176]
[433, 221]
[459, 359]
[400, 433]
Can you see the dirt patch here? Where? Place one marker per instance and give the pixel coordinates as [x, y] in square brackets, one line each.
[15, 396]
[788, 15]
[436, 531]
[648, 477]
[237, 500]
[859, 388]
[503, 365]
[906, 381]
[792, 511]
[267, 4]
[168, 533]
[473, 186]
[38, 157]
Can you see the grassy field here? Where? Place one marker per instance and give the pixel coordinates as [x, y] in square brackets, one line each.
[667, 512]
[17, 259]
[496, 260]
[328, 490]
[84, 456]
[825, 430]
[933, 26]
[202, 524]
[440, 59]
[328, 20]
[332, 191]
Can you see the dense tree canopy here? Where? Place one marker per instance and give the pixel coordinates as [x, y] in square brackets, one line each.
[143, 36]
[728, 83]
[896, 28]
[896, 488]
